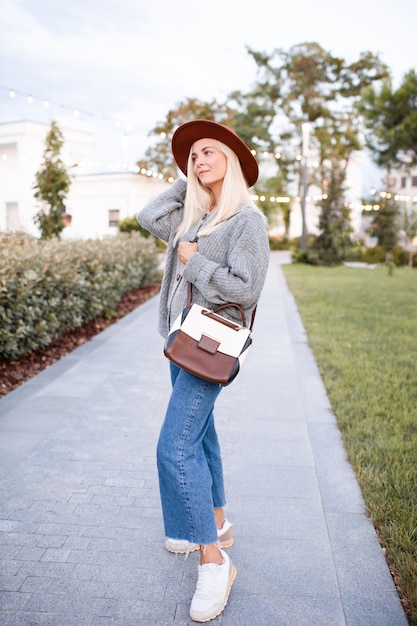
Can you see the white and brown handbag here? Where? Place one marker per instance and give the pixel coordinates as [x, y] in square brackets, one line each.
[208, 345]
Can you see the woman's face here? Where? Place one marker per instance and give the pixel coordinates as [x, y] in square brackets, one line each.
[209, 163]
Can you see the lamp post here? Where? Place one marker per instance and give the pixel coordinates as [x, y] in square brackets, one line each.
[305, 131]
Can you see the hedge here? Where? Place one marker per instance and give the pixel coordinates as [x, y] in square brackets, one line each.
[50, 287]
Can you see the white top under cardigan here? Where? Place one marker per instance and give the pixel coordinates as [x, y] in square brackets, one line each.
[230, 265]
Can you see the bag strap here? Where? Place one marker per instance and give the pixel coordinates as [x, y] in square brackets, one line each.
[228, 304]
[223, 306]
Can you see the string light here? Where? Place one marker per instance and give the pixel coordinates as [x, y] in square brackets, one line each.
[129, 128]
[271, 198]
[75, 112]
[387, 195]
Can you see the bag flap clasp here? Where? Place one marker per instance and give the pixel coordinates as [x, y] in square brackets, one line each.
[208, 344]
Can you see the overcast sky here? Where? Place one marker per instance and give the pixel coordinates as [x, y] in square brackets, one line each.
[133, 61]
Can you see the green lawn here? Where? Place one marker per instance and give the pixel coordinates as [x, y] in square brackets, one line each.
[362, 328]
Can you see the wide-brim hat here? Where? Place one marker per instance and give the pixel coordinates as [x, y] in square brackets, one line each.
[188, 133]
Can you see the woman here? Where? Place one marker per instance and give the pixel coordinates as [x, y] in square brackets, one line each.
[217, 240]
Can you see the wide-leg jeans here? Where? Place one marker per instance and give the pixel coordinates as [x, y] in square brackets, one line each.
[189, 461]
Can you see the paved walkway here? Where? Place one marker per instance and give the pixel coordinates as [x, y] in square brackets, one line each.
[81, 531]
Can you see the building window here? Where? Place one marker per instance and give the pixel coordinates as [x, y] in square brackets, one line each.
[414, 181]
[12, 216]
[114, 217]
[8, 151]
[403, 182]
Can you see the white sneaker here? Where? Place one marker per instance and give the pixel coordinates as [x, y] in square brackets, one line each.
[182, 546]
[213, 589]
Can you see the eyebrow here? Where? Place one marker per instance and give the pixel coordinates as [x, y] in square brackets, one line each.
[204, 148]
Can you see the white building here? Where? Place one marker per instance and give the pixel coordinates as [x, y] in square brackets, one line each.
[353, 197]
[97, 202]
[403, 183]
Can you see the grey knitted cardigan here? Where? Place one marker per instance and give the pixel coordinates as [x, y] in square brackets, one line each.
[230, 265]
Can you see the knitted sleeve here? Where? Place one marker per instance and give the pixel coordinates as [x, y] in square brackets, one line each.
[162, 215]
[240, 276]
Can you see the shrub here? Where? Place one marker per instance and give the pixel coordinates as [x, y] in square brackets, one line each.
[49, 287]
[279, 243]
[378, 254]
[131, 224]
[356, 252]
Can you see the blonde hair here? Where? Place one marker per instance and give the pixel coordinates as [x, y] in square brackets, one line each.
[199, 199]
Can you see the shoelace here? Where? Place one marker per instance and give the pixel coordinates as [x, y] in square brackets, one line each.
[206, 578]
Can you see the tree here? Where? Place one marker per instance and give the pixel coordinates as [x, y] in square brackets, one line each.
[243, 117]
[52, 185]
[308, 84]
[269, 200]
[305, 84]
[385, 225]
[390, 117]
[158, 157]
[333, 242]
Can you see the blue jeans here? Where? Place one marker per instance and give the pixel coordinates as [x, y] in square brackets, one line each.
[189, 462]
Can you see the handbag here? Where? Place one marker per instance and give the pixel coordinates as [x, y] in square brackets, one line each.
[208, 345]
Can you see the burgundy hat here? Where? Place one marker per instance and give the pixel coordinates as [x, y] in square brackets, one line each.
[188, 133]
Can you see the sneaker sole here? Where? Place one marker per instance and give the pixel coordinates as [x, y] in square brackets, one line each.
[226, 539]
[233, 572]
[226, 542]
[181, 550]
[223, 544]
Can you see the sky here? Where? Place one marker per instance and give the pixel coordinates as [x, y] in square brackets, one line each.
[123, 64]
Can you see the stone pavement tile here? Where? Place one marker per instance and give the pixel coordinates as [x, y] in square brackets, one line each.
[271, 481]
[60, 570]
[12, 601]
[64, 586]
[29, 568]
[9, 567]
[262, 428]
[11, 582]
[136, 611]
[80, 521]
[36, 584]
[338, 485]
[27, 618]
[365, 581]
[315, 401]
[382, 609]
[276, 610]
[285, 404]
[263, 609]
[183, 612]
[277, 518]
[18, 445]
[285, 567]
[284, 452]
